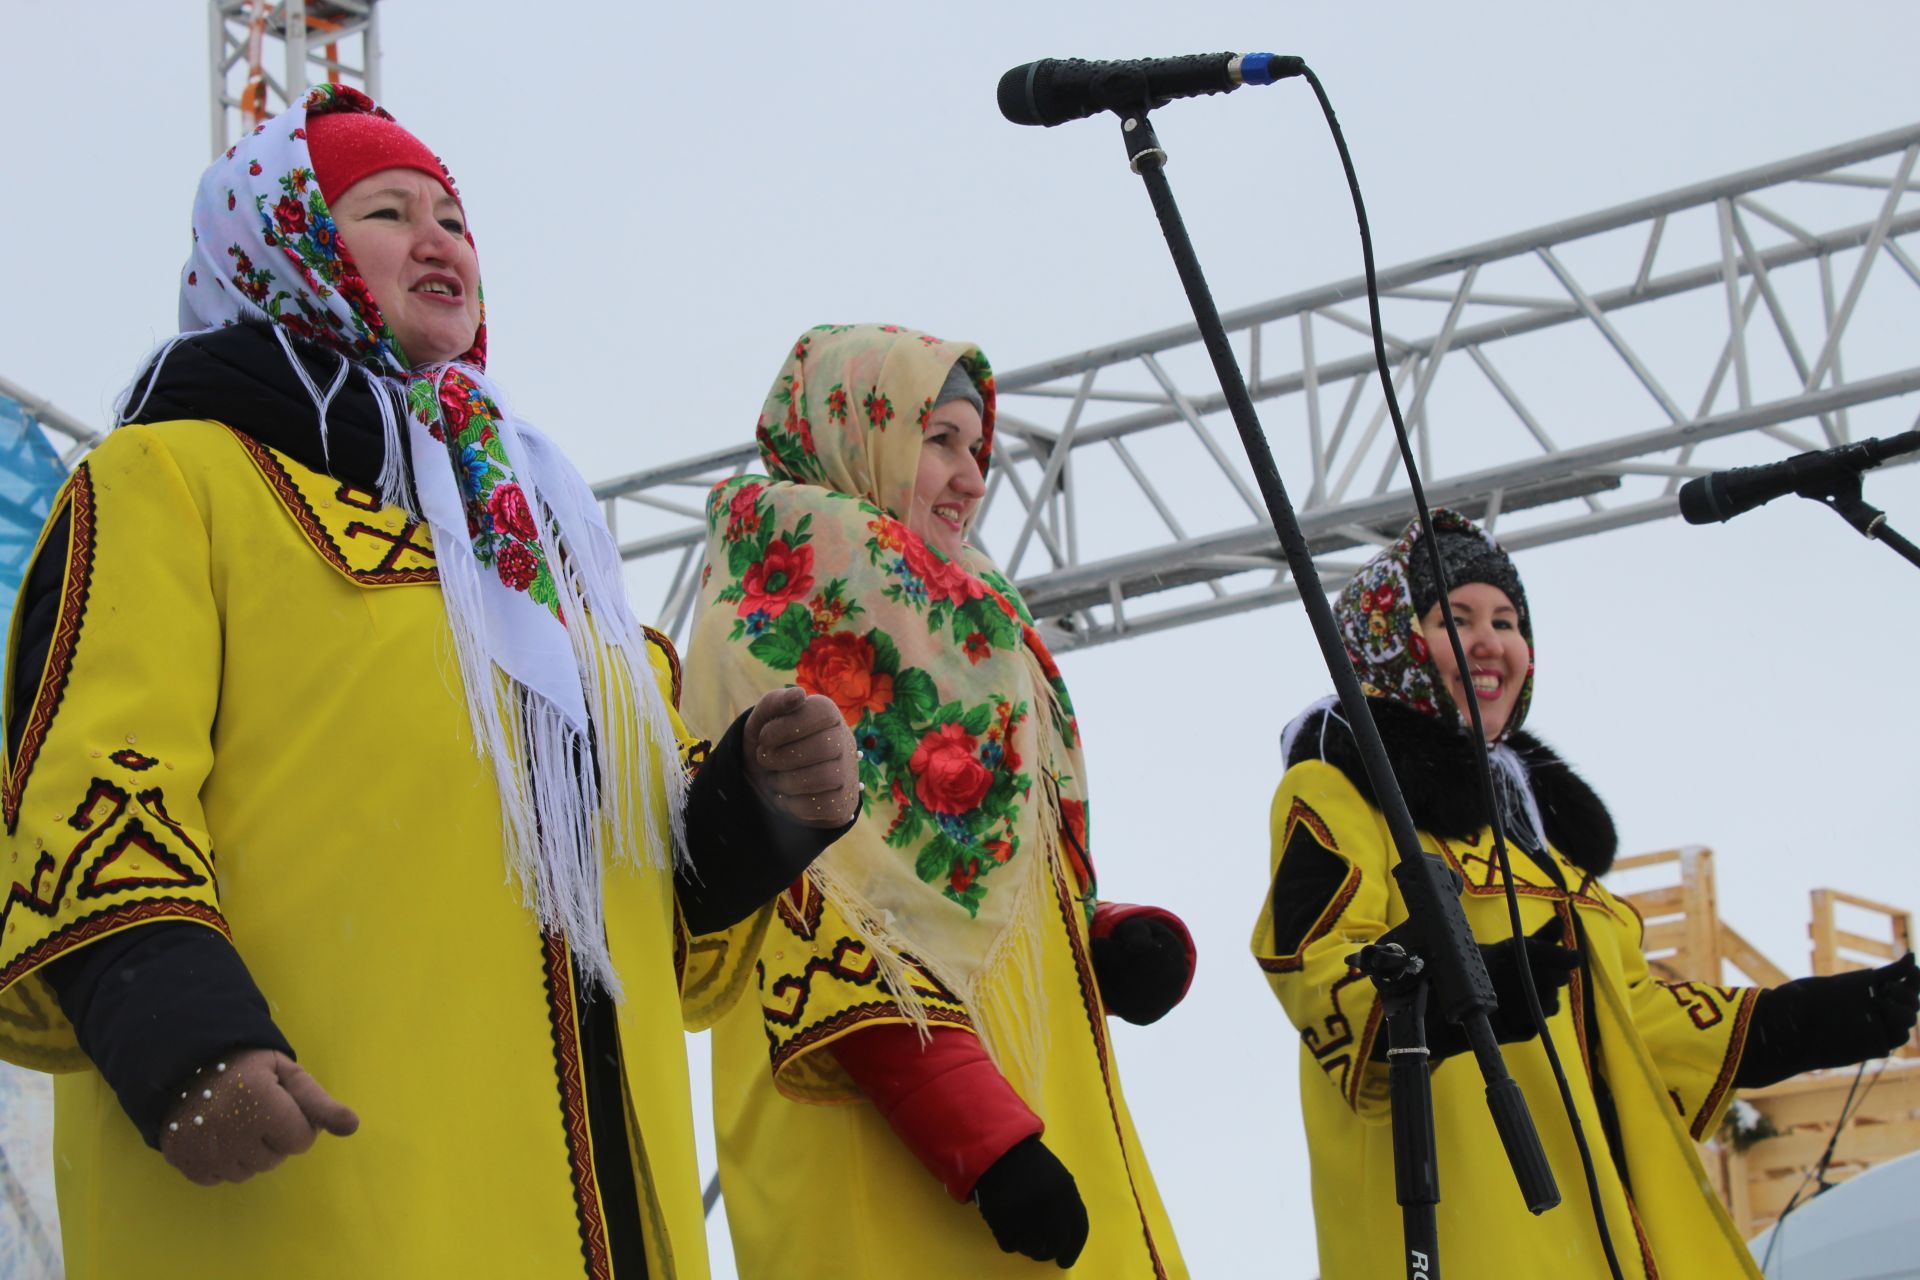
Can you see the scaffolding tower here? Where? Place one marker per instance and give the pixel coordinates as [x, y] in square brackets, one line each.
[317, 40]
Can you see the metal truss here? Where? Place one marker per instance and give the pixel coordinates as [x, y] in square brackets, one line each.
[1558, 382]
[309, 33]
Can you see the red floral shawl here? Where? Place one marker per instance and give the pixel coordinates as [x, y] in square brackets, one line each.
[969, 752]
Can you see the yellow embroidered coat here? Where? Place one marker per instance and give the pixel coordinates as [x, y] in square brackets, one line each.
[929, 672]
[818, 1187]
[250, 719]
[1667, 1050]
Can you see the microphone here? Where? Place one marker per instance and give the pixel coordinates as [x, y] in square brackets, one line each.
[1055, 90]
[1721, 496]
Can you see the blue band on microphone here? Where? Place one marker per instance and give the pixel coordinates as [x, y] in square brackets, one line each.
[1257, 68]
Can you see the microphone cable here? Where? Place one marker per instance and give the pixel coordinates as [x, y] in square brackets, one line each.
[1819, 1169]
[1483, 764]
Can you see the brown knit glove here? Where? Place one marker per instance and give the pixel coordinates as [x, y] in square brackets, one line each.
[245, 1115]
[800, 758]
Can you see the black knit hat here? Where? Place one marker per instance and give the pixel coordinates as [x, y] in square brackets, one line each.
[1467, 559]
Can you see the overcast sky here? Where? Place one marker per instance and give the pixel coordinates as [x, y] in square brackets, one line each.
[663, 200]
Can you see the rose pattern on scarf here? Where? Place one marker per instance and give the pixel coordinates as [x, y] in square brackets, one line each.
[950, 768]
[840, 665]
[879, 409]
[315, 293]
[790, 437]
[928, 658]
[501, 527]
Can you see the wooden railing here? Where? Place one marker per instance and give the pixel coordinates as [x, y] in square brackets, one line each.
[1686, 940]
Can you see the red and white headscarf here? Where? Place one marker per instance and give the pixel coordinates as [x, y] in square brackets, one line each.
[547, 646]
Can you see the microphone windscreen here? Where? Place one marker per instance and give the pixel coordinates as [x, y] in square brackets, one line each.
[1016, 94]
[1697, 505]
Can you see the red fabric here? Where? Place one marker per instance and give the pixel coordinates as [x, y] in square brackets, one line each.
[945, 1099]
[346, 146]
[1108, 916]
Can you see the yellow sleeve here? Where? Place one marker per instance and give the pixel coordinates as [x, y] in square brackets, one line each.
[1329, 894]
[711, 969]
[103, 821]
[817, 983]
[1695, 1033]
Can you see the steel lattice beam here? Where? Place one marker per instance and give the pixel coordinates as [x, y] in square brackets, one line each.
[1750, 312]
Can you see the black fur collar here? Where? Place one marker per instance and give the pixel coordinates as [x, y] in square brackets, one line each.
[1434, 763]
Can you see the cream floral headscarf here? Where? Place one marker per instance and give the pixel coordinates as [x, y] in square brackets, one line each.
[969, 752]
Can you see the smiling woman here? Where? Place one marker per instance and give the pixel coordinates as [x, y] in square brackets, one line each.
[944, 973]
[1652, 1064]
[273, 815]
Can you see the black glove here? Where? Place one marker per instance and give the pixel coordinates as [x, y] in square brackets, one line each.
[1030, 1201]
[1553, 967]
[1833, 1021]
[1141, 968]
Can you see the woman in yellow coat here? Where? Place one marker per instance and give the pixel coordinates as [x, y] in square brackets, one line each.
[329, 735]
[1652, 1064]
[922, 1083]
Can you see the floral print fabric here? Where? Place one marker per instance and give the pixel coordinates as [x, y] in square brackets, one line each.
[266, 249]
[969, 752]
[1382, 632]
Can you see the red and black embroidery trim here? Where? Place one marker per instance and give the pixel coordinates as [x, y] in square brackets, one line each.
[66, 638]
[672, 656]
[1096, 1022]
[90, 927]
[364, 499]
[133, 761]
[799, 907]
[872, 1011]
[88, 817]
[1702, 1010]
[1736, 1046]
[308, 520]
[839, 965]
[1301, 815]
[155, 803]
[1487, 883]
[136, 836]
[570, 1072]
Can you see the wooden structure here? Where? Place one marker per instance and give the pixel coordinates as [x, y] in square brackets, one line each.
[1759, 1174]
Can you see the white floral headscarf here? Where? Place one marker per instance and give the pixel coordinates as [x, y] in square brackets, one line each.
[547, 646]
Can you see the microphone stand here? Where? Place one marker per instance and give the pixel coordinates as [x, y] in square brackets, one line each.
[1845, 498]
[1447, 952]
